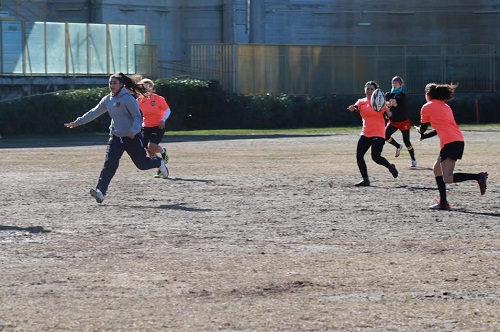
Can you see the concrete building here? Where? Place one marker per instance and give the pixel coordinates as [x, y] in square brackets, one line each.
[174, 25]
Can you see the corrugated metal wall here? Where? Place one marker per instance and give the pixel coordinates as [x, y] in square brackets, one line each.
[317, 70]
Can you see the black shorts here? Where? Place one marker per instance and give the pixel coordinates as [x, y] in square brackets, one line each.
[453, 150]
[152, 135]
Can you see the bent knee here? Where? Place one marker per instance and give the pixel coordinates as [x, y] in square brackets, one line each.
[448, 179]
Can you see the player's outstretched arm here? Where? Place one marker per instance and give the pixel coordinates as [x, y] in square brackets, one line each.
[353, 108]
[422, 131]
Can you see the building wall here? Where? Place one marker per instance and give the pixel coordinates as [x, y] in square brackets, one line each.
[352, 22]
[175, 24]
[172, 25]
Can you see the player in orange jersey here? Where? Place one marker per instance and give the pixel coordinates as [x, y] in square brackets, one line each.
[155, 111]
[372, 134]
[437, 113]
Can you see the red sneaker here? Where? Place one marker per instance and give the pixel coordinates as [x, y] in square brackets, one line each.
[439, 206]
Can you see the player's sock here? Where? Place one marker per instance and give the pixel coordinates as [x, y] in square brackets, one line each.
[411, 151]
[393, 142]
[460, 177]
[442, 190]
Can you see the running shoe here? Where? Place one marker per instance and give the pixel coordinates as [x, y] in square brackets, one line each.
[363, 183]
[398, 151]
[164, 170]
[439, 206]
[159, 174]
[413, 164]
[164, 155]
[483, 176]
[393, 170]
[97, 194]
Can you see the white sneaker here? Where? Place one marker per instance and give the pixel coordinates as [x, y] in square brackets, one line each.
[439, 206]
[97, 194]
[398, 151]
[163, 169]
[413, 163]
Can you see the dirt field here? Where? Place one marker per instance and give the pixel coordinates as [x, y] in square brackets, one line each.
[248, 234]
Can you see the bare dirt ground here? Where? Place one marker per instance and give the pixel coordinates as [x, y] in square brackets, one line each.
[249, 234]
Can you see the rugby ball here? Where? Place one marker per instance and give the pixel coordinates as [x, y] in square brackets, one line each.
[377, 100]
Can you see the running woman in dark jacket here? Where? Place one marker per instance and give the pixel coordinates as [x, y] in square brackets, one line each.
[124, 131]
[396, 100]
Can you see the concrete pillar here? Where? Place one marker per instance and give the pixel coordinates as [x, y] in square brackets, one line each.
[257, 22]
[235, 16]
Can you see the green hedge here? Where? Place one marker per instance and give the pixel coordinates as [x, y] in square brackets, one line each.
[46, 114]
[202, 104]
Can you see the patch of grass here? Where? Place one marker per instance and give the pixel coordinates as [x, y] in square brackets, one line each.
[300, 131]
[249, 132]
[483, 127]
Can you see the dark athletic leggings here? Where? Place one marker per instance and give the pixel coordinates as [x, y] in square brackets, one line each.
[390, 130]
[377, 144]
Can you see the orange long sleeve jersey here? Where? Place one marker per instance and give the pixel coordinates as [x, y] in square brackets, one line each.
[153, 109]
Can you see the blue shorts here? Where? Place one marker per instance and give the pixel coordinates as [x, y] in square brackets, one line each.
[453, 150]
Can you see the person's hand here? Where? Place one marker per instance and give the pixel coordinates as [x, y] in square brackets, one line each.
[70, 125]
[421, 138]
[161, 125]
[353, 108]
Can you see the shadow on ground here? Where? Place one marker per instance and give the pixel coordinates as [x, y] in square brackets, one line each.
[33, 229]
[102, 139]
